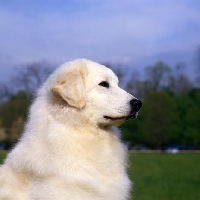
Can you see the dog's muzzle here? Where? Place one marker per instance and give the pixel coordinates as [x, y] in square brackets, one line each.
[135, 107]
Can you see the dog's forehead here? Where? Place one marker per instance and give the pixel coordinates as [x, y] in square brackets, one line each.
[101, 72]
[90, 71]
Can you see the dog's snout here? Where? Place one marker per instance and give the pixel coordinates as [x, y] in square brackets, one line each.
[135, 105]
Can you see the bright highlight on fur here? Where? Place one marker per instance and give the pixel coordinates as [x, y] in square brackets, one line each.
[70, 148]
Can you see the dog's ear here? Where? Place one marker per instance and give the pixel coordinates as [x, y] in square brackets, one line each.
[70, 87]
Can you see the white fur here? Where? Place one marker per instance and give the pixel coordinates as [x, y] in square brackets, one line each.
[68, 150]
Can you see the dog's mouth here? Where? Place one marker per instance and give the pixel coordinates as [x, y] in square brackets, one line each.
[132, 116]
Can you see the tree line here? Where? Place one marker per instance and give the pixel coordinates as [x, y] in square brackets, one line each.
[171, 102]
[171, 106]
[16, 96]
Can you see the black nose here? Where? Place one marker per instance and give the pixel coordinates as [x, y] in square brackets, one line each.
[135, 105]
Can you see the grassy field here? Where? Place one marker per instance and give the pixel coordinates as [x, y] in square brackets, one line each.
[163, 176]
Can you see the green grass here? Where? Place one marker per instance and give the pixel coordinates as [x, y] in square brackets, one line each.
[163, 176]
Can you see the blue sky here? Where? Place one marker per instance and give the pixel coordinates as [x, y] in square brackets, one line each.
[137, 33]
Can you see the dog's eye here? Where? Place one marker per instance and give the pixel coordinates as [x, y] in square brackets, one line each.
[104, 84]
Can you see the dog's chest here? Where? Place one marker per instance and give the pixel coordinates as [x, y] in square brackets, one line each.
[96, 164]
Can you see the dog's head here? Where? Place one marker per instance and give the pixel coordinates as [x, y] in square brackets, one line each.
[91, 90]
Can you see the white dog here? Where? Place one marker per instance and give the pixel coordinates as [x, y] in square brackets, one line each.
[69, 149]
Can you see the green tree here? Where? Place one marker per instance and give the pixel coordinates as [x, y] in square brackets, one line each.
[178, 81]
[192, 119]
[156, 75]
[15, 130]
[159, 116]
[2, 133]
[189, 118]
[131, 131]
[13, 113]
